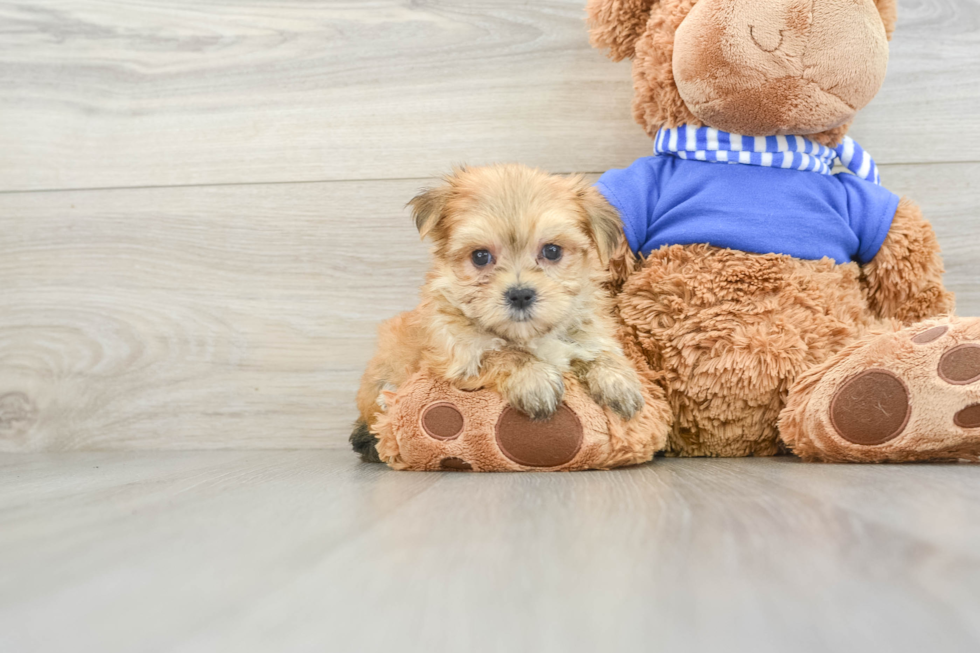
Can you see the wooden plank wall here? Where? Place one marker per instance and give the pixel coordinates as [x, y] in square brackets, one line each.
[201, 203]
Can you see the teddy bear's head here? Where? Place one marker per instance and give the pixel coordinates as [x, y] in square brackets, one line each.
[753, 67]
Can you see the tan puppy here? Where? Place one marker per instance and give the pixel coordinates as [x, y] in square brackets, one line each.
[515, 297]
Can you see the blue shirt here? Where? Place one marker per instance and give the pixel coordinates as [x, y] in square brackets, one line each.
[665, 200]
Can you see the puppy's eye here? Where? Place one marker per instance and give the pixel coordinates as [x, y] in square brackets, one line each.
[551, 252]
[481, 258]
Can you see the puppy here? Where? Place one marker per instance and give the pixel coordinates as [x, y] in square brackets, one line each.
[515, 296]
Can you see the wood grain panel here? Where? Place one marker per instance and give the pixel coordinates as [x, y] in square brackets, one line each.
[112, 93]
[950, 199]
[197, 317]
[242, 316]
[313, 551]
[926, 110]
[117, 94]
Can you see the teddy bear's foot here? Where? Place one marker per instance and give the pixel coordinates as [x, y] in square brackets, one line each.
[909, 395]
[431, 425]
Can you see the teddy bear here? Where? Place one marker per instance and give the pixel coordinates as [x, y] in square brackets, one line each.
[771, 304]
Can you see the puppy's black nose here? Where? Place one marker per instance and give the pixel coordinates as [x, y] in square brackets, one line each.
[520, 297]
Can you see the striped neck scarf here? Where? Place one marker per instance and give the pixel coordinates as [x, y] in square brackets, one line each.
[792, 152]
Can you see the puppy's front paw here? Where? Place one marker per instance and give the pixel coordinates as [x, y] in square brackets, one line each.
[616, 386]
[536, 390]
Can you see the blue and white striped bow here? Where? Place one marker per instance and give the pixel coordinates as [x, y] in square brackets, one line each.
[793, 152]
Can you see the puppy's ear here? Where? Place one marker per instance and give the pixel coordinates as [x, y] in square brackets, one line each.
[429, 206]
[616, 25]
[602, 220]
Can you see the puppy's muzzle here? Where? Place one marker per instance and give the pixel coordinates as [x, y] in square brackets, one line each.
[520, 298]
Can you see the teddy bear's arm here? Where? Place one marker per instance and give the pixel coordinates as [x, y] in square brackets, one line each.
[904, 280]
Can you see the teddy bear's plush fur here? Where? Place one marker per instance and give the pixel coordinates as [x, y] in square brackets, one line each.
[759, 354]
[732, 331]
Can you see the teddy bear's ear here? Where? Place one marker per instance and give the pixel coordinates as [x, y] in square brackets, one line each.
[616, 25]
[889, 14]
[602, 221]
[429, 206]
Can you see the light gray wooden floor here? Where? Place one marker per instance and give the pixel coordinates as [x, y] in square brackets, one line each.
[313, 551]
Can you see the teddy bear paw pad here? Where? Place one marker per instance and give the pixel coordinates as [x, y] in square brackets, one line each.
[930, 335]
[969, 417]
[961, 365]
[443, 421]
[548, 443]
[871, 408]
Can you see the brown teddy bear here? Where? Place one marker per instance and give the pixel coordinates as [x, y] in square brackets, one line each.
[827, 355]
[775, 306]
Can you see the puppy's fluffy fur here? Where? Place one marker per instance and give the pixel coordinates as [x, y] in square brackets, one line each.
[495, 232]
